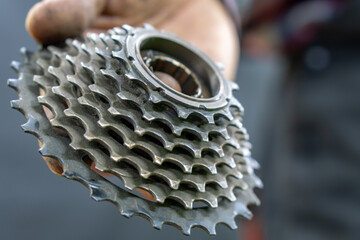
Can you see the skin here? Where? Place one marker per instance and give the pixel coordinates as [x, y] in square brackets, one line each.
[204, 23]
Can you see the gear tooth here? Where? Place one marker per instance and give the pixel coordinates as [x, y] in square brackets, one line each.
[119, 31]
[118, 54]
[220, 66]
[213, 203]
[254, 164]
[225, 134]
[188, 204]
[43, 150]
[16, 103]
[234, 86]
[69, 112]
[154, 98]
[186, 230]
[211, 230]
[157, 224]
[158, 160]
[148, 26]
[177, 131]
[26, 53]
[102, 35]
[210, 119]
[87, 67]
[127, 28]
[197, 153]
[52, 70]
[13, 83]
[169, 146]
[42, 63]
[55, 51]
[97, 194]
[68, 41]
[148, 116]
[204, 136]
[92, 36]
[126, 213]
[232, 224]
[223, 183]
[100, 52]
[30, 124]
[76, 43]
[212, 169]
[71, 59]
[258, 182]
[247, 214]
[220, 152]
[109, 73]
[16, 66]
[201, 187]
[183, 114]
[228, 115]
[253, 199]
[235, 103]
[114, 36]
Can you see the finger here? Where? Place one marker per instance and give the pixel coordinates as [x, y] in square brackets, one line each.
[203, 23]
[213, 31]
[52, 21]
[135, 13]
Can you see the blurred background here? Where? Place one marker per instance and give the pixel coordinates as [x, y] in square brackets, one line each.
[299, 77]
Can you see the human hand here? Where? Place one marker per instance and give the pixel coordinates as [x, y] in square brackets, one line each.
[204, 23]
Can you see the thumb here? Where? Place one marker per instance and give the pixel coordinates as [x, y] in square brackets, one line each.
[52, 21]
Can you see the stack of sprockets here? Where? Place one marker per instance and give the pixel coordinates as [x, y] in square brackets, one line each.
[195, 162]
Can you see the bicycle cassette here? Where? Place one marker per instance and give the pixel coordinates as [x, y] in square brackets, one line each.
[101, 110]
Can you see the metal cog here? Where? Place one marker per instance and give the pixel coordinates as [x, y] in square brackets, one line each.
[94, 132]
[89, 86]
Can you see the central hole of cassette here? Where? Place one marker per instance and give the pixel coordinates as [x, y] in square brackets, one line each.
[174, 74]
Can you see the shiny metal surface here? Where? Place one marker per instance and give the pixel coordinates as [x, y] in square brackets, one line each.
[183, 150]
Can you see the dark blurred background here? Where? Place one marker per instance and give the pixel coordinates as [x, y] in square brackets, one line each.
[299, 79]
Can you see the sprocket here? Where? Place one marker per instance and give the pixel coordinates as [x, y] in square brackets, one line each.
[187, 149]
